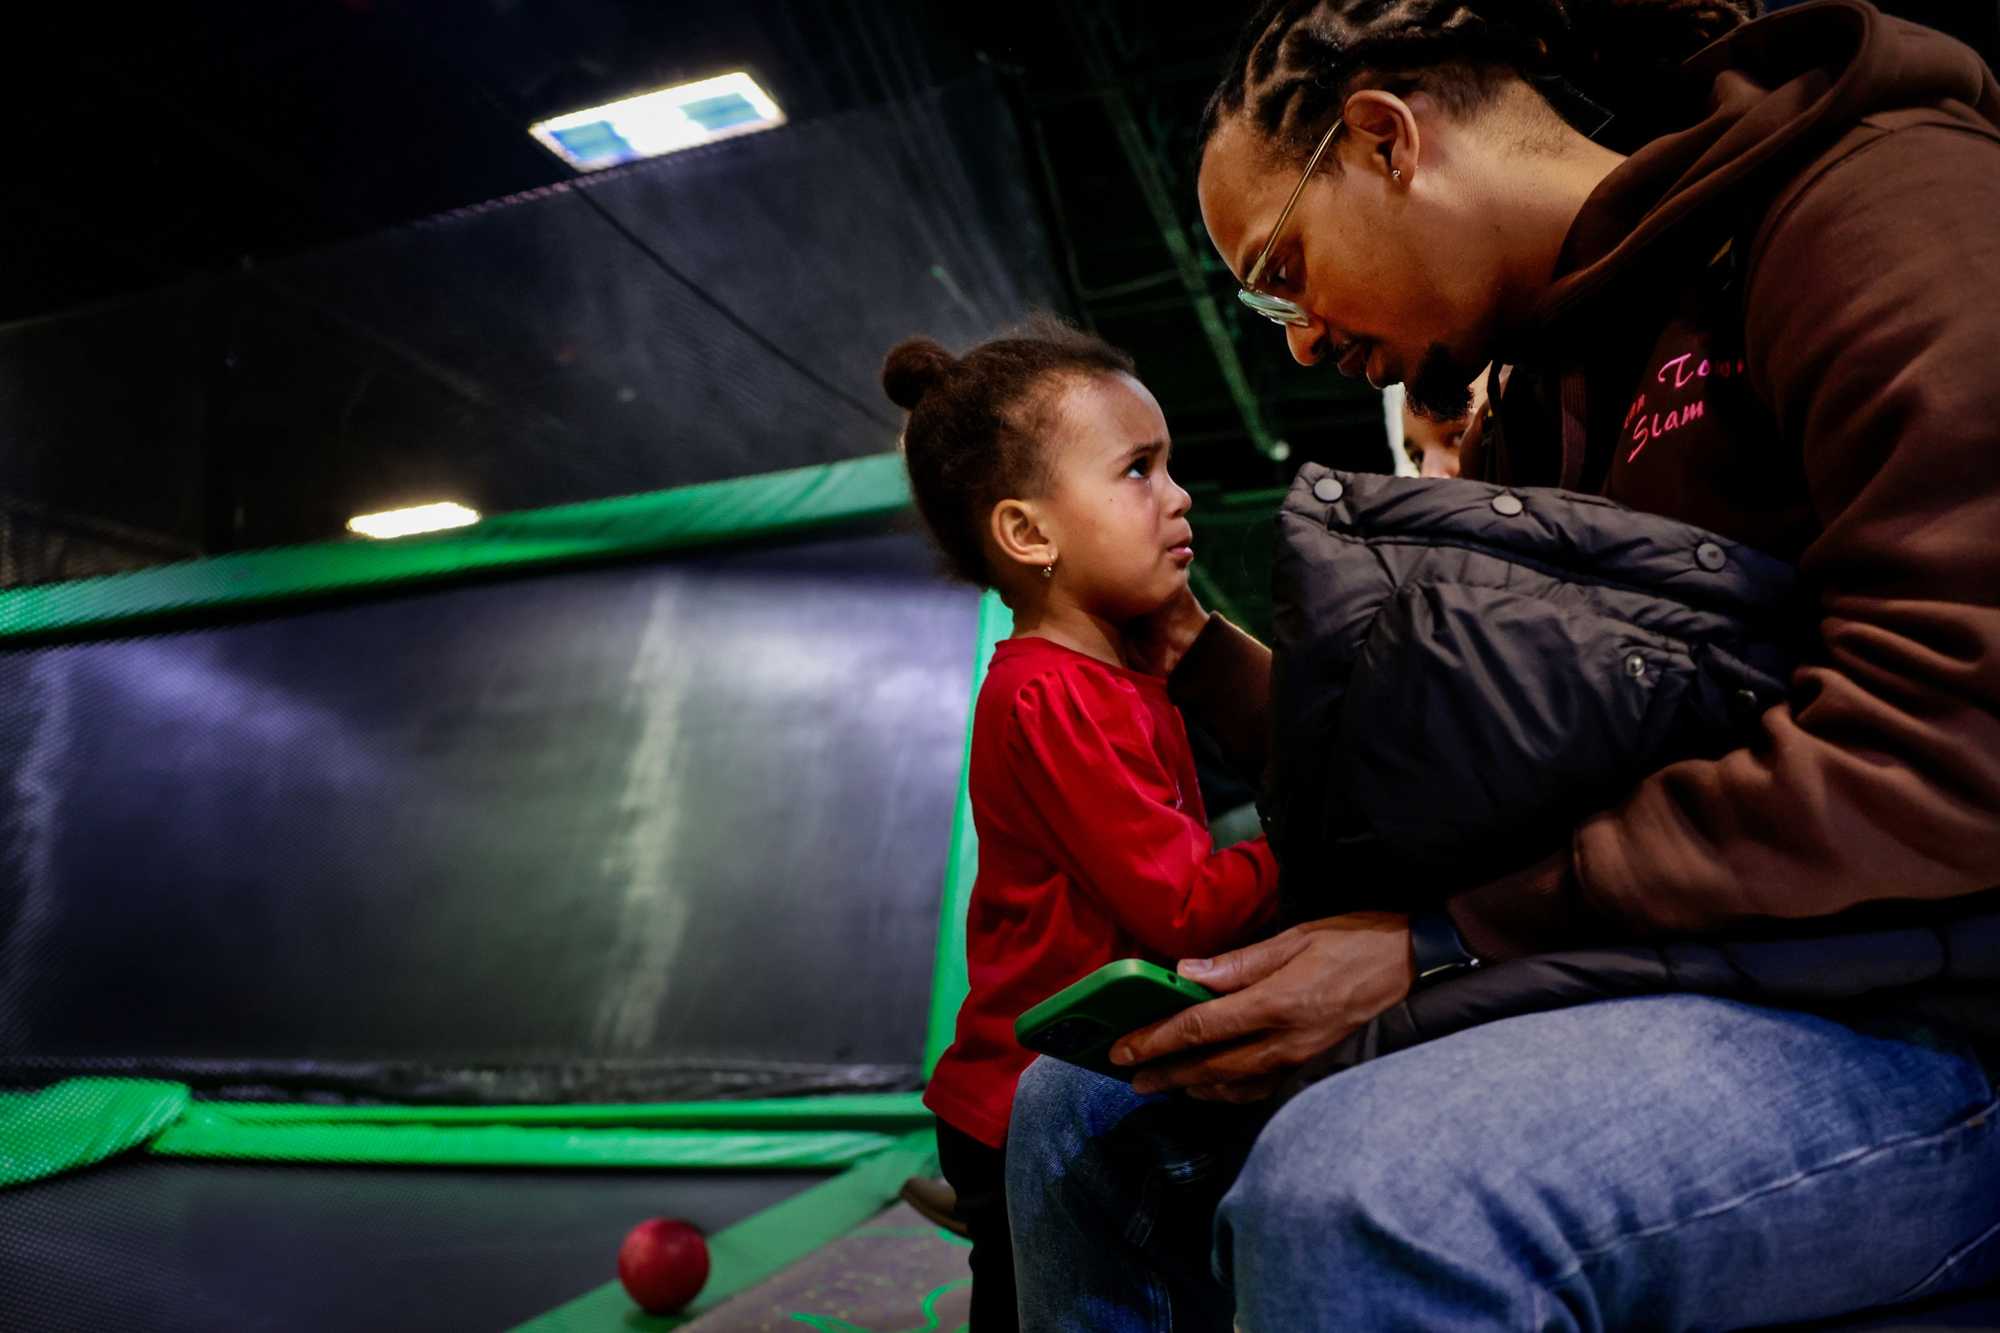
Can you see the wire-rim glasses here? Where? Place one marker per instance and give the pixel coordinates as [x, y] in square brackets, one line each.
[1279, 309]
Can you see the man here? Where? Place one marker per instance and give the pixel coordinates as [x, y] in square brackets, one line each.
[1777, 324]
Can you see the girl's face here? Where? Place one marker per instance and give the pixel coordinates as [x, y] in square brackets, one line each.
[1118, 521]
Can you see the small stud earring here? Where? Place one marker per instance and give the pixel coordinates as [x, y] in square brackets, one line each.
[1396, 173]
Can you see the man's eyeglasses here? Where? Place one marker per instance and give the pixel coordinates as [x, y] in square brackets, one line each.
[1278, 309]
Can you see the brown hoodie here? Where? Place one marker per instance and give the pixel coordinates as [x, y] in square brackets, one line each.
[1783, 324]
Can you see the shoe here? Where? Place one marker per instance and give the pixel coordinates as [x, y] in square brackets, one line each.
[936, 1200]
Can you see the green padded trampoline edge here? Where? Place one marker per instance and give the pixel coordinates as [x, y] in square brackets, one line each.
[883, 1111]
[81, 1121]
[78, 1122]
[757, 1247]
[218, 1138]
[948, 978]
[775, 504]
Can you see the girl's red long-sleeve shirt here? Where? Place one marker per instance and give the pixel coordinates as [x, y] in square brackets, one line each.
[1093, 846]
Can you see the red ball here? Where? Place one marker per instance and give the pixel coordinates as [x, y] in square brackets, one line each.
[663, 1264]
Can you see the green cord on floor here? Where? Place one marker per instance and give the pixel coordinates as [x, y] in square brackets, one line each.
[834, 1324]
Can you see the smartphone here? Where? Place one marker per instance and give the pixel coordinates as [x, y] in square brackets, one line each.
[1079, 1023]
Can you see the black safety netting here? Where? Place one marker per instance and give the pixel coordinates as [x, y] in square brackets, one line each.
[716, 313]
[664, 829]
[660, 830]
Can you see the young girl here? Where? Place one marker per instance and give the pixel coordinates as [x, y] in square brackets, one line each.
[1039, 464]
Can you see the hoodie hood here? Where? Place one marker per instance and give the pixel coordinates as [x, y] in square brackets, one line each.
[1783, 91]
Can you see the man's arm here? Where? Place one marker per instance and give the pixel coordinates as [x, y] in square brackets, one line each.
[1223, 683]
[1283, 1001]
[1874, 319]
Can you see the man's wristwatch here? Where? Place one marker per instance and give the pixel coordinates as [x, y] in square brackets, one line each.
[1436, 947]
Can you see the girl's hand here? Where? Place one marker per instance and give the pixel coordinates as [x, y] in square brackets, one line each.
[1283, 1001]
[1156, 643]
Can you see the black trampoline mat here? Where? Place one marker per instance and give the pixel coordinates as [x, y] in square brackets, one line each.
[146, 1244]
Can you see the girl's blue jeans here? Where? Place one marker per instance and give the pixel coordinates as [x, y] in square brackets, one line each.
[1665, 1162]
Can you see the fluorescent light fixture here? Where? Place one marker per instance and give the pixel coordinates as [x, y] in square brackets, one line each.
[417, 518]
[664, 121]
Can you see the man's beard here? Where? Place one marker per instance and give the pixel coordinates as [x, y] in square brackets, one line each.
[1441, 389]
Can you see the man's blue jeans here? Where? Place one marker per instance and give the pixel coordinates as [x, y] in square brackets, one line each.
[1666, 1162]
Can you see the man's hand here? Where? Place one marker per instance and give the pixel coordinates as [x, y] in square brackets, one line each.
[1283, 1001]
[1156, 643]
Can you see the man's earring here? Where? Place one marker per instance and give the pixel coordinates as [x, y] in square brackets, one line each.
[1396, 174]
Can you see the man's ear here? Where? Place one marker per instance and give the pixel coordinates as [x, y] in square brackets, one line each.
[1018, 536]
[1384, 128]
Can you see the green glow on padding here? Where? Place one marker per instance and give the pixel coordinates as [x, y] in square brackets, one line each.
[776, 504]
[201, 1134]
[882, 1111]
[81, 1121]
[948, 979]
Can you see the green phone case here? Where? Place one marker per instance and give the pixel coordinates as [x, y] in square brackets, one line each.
[1079, 1023]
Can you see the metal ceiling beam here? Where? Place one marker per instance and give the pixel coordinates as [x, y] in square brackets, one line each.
[1159, 201]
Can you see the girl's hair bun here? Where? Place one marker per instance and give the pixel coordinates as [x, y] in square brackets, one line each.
[914, 368]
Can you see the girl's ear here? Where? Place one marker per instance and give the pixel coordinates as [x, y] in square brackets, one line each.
[1018, 536]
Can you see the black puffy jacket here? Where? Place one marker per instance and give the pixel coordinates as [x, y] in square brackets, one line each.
[1463, 671]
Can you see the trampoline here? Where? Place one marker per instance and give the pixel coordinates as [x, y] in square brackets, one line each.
[388, 927]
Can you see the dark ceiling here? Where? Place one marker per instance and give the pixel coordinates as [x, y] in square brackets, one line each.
[183, 140]
[178, 137]
[167, 154]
